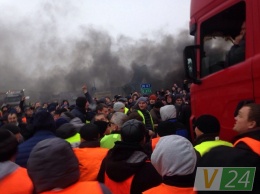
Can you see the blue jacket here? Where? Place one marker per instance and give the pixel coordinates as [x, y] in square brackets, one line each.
[25, 148]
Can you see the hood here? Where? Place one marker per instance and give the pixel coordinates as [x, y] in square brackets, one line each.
[76, 122]
[52, 164]
[7, 168]
[124, 157]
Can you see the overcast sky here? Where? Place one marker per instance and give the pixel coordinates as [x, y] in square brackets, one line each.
[56, 45]
[132, 18]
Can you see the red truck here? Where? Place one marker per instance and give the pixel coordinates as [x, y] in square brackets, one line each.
[221, 76]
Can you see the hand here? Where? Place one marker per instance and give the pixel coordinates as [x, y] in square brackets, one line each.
[84, 88]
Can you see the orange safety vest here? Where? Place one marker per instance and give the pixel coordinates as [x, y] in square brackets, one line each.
[16, 182]
[154, 142]
[123, 187]
[79, 188]
[167, 189]
[250, 142]
[90, 160]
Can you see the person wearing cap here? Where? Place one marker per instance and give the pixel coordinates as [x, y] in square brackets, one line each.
[119, 107]
[15, 130]
[152, 101]
[207, 128]
[13, 178]
[44, 126]
[141, 108]
[175, 160]
[126, 168]
[89, 152]
[125, 102]
[69, 133]
[54, 168]
[115, 124]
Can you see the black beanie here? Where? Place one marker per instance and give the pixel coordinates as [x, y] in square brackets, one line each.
[208, 124]
[133, 131]
[89, 132]
[11, 127]
[81, 102]
[66, 130]
[43, 121]
[8, 145]
[102, 127]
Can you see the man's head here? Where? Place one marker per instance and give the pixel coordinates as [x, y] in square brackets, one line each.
[52, 164]
[102, 108]
[12, 118]
[8, 145]
[117, 121]
[119, 107]
[44, 121]
[81, 102]
[142, 103]
[248, 118]
[14, 130]
[207, 124]
[152, 99]
[28, 111]
[89, 132]
[133, 131]
[178, 100]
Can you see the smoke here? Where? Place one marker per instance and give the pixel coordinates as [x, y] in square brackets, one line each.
[37, 56]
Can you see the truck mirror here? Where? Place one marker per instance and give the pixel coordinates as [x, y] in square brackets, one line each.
[190, 63]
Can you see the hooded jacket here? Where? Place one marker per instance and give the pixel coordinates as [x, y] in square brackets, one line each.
[126, 160]
[10, 179]
[53, 167]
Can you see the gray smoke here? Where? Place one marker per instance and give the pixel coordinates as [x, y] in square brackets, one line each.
[36, 56]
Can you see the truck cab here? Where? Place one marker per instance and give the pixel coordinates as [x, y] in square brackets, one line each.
[13, 98]
[223, 77]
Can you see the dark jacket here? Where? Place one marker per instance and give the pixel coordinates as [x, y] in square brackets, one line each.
[25, 148]
[238, 156]
[125, 160]
[80, 113]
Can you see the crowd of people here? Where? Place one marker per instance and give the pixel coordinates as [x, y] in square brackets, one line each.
[133, 144]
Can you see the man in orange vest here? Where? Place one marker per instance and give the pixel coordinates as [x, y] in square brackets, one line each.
[89, 153]
[53, 167]
[246, 150]
[13, 178]
[126, 168]
[174, 158]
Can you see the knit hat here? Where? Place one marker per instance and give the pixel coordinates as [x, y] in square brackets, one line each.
[8, 145]
[52, 164]
[89, 132]
[117, 106]
[11, 127]
[102, 127]
[144, 99]
[43, 121]
[208, 124]
[153, 97]
[81, 102]
[133, 131]
[174, 155]
[168, 112]
[66, 130]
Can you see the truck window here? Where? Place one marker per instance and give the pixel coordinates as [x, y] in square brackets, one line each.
[218, 35]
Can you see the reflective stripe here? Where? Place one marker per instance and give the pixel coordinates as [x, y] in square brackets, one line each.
[250, 142]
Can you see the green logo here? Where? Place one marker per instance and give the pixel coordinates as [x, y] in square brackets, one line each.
[224, 178]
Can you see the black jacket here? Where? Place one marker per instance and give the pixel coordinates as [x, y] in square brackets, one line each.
[125, 160]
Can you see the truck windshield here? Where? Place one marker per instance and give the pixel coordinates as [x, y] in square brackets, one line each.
[219, 35]
[12, 99]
